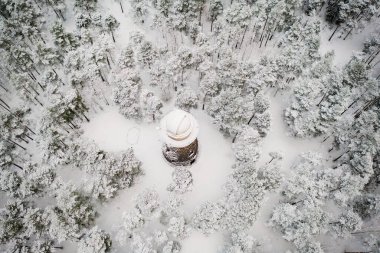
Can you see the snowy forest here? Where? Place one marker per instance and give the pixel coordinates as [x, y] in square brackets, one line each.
[286, 94]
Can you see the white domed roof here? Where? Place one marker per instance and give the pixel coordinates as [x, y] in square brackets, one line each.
[178, 125]
[179, 128]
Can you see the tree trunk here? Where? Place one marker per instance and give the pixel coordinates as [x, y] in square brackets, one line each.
[354, 102]
[367, 106]
[32, 76]
[113, 37]
[42, 88]
[204, 102]
[3, 106]
[101, 76]
[261, 40]
[18, 166]
[42, 39]
[38, 101]
[362, 232]
[56, 13]
[5, 103]
[345, 37]
[36, 70]
[249, 121]
[265, 24]
[373, 58]
[29, 137]
[200, 17]
[234, 139]
[60, 13]
[35, 90]
[108, 62]
[10, 141]
[3, 88]
[30, 130]
[121, 7]
[242, 39]
[336, 159]
[22, 139]
[87, 119]
[39, 7]
[333, 32]
[324, 95]
[270, 35]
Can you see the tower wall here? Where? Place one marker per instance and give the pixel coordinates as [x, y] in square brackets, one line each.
[181, 155]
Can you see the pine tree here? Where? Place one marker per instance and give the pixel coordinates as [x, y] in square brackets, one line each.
[127, 59]
[65, 41]
[186, 99]
[111, 24]
[127, 94]
[215, 10]
[150, 106]
[95, 241]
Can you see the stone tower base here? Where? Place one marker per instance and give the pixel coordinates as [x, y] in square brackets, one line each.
[181, 156]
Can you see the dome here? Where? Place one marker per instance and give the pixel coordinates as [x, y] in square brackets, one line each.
[179, 128]
[178, 125]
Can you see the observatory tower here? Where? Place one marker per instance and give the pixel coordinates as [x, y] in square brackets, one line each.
[179, 130]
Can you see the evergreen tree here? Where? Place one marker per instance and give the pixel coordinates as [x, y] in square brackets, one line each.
[95, 241]
[127, 94]
[111, 24]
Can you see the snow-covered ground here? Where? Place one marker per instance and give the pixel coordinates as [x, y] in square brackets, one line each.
[112, 131]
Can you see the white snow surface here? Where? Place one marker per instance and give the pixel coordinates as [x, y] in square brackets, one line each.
[113, 132]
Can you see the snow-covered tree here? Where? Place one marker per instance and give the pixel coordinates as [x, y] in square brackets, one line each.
[142, 243]
[65, 41]
[172, 247]
[230, 110]
[36, 180]
[127, 94]
[350, 15]
[109, 172]
[147, 202]
[247, 145]
[241, 242]
[72, 213]
[131, 221]
[178, 227]
[146, 54]
[85, 5]
[171, 208]
[95, 241]
[300, 223]
[139, 9]
[111, 25]
[186, 98]
[150, 106]
[346, 223]
[126, 59]
[182, 180]
[367, 205]
[208, 218]
[215, 10]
